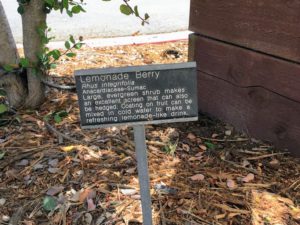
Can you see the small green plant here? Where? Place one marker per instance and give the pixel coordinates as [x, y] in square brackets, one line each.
[210, 145]
[170, 148]
[48, 58]
[57, 116]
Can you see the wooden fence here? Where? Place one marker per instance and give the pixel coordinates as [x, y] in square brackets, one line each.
[248, 57]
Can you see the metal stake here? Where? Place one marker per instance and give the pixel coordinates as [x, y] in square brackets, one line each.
[142, 166]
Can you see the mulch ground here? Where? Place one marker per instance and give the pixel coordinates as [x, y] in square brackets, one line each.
[205, 172]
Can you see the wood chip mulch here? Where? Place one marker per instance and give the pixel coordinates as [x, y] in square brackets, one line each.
[53, 172]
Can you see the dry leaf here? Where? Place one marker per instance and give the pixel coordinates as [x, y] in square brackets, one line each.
[128, 191]
[135, 197]
[186, 147]
[203, 147]
[53, 170]
[90, 204]
[88, 218]
[131, 170]
[228, 132]
[73, 195]
[53, 162]
[248, 178]
[12, 174]
[197, 177]
[38, 166]
[274, 163]
[2, 201]
[245, 163]
[231, 184]
[23, 162]
[54, 190]
[68, 148]
[214, 135]
[191, 136]
[195, 158]
[5, 218]
[86, 193]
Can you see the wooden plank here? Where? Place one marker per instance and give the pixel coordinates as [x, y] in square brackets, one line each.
[246, 68]
[254, 110]
[271, 26]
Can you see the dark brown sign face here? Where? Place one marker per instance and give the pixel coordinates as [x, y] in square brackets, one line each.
[137, 95]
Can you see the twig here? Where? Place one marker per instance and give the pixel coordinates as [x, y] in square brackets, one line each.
[21, 156]
[225, 140]
[58, 86]
[132, 10]
[197, 217]
[161, 210]
[59, 134]
[259, 185]
[33, 164]
[233, 210]
[249, 152]
[157, 143]
[17, 215]
[242, 167]
[266, 156]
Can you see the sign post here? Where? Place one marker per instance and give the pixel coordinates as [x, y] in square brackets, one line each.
[142, 161]
[136, 96]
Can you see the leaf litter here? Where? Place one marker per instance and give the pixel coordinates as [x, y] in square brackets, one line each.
[52, 172]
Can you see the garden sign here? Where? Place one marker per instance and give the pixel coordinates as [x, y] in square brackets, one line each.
[136, 96]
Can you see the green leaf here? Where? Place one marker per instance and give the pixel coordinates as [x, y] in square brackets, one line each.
[147, 16]
[210, 145]
[2, 154]
[63, 114]
[3, 108]
[50, 2]
[66, 4]
[71, 54]
[20, 9]
[49, 203]
[125, 9]
[57, 118]
[76, 9]
[53, 66]
[24, 62]
[72, 39]
[55, 54]
[82, 9]
[136, 11]
[78, 45]
[67, 45]
[69, 13]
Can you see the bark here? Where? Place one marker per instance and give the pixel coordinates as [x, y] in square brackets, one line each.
[11, 83]
[33, 18]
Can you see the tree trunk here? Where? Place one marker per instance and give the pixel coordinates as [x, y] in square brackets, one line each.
[12, 83]
[33, 18]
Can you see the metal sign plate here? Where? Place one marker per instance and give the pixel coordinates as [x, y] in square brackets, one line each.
[137, 95]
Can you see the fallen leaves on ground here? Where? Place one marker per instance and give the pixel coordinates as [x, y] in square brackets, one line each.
[200, 173]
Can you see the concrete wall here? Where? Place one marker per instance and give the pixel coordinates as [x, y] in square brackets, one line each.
[103, 19]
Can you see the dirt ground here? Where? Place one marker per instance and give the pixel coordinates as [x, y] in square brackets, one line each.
[205, 172]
